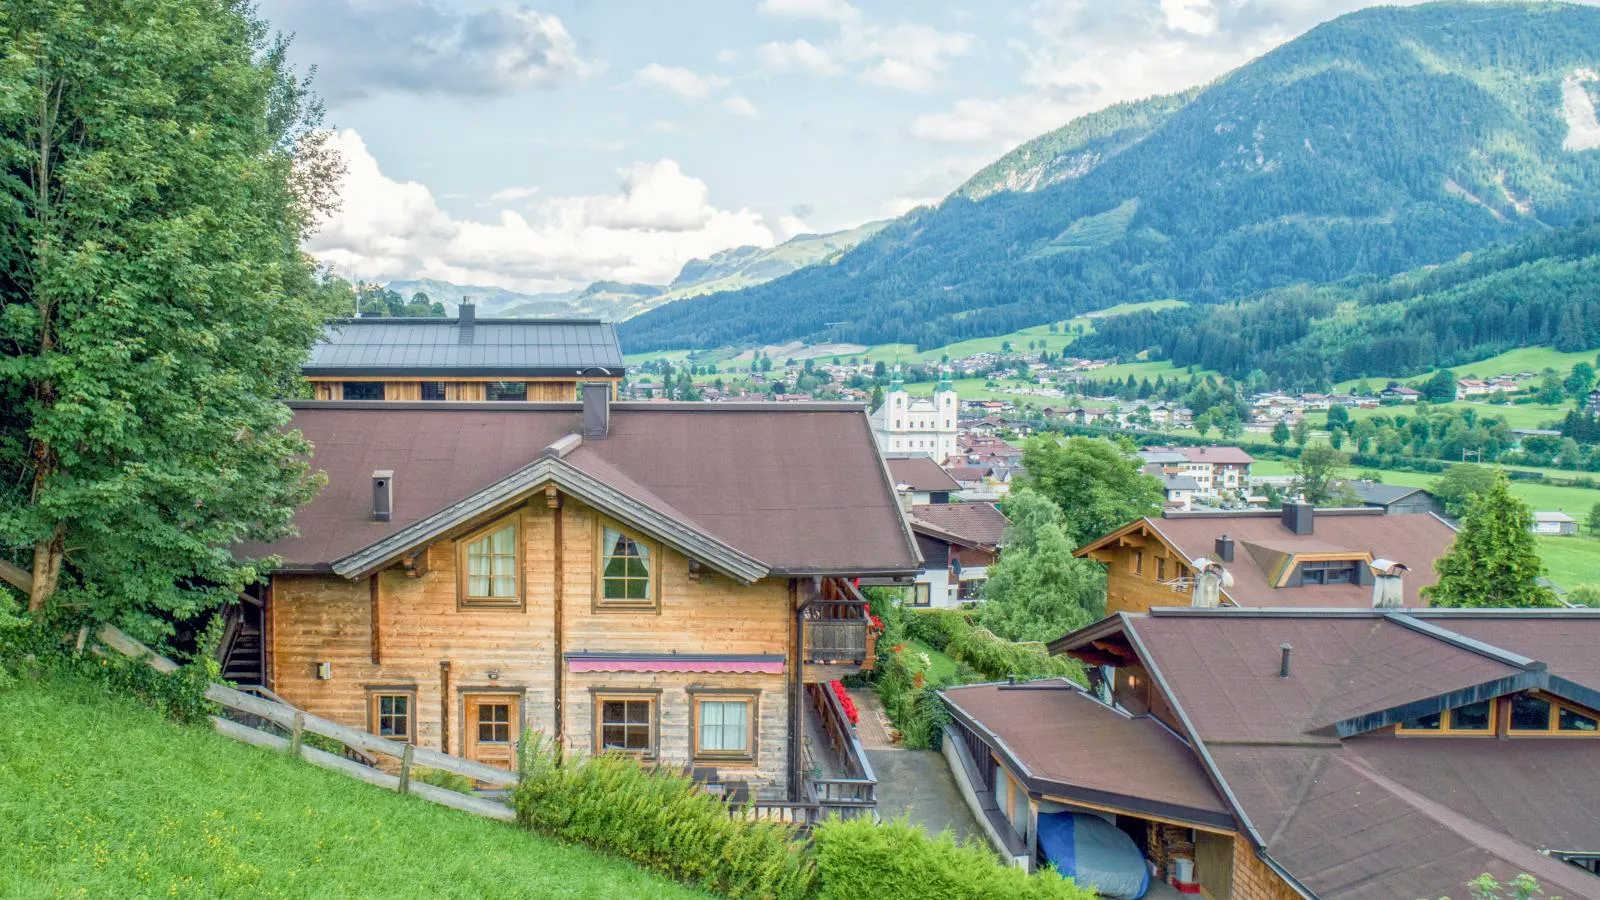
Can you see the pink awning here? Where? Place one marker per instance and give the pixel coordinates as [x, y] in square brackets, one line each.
[659, 664]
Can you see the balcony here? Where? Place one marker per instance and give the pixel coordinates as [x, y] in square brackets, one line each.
[837, 641]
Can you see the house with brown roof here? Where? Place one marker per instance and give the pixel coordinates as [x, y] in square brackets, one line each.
[672, 581]
[958, 543]
[1295, 557]
[1275, 754]
[919, 479]
[1220, 471]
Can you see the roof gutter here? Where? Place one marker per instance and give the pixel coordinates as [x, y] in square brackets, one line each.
[1209, 763]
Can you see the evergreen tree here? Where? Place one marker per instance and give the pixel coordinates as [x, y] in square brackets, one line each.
[1495, 560]
[159, 165]
[1440, 388]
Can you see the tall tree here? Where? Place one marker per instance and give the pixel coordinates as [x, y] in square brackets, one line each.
[1038, 590]
[1280, 433]
[1098, 484]
[159, 166]
[1457, 488]
[1495, 560]
[1316, 473]
[1440, 388]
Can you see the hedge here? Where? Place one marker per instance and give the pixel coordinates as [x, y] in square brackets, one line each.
[666, 823]
[858, 858]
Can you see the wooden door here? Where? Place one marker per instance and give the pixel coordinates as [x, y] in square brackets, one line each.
[493, 725]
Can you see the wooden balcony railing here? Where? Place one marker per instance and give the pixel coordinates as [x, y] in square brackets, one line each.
[836, 633]
[854, 788]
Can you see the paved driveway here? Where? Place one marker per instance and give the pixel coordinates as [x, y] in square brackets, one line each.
[916, 784]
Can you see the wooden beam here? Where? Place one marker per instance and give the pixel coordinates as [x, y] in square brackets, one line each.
[416, 565]
[16, 577]
[375, 592]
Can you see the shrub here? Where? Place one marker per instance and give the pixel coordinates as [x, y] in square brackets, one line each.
[910, 700]
[661, 821]
[936, 628]
[858, 858]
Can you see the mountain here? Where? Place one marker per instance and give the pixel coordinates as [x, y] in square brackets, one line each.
[725, 270]
[1378, 142]
[1543, 290]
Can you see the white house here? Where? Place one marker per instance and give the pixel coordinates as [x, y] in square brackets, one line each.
[925, 426]
[1554, 523]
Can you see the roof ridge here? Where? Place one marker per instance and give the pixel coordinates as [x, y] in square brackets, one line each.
[1456, 639]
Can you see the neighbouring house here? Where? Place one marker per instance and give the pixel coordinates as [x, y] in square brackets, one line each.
[1396, 499]
[919, 480]
[1400, 393]
[1554, 523]
[1277, 754]
[922, 425]
[1294, 557]
[1217, 470]
[1179, 490]
[1473, 387]
[465, 358]
[958, 543]
[667, 580]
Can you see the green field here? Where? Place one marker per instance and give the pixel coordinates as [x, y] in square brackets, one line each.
[940, 666]
[1522, 359]
[1525, 415]
[102, 798]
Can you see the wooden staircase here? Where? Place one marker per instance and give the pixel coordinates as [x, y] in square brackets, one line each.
[242, 652]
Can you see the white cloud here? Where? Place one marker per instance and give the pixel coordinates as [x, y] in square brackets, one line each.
[513, 193]
[791, 225]
[800, 55]
[1193, 16]
[686, 83]
[658, 219]
[740, 105]
[1000, 122]
[822, 10]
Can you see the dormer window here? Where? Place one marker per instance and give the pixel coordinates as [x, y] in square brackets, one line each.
[1474, 718]
[1532, 715]
[1519, 715]
[1339, 571]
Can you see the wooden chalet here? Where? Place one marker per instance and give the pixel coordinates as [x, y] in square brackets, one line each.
[671, 581]
[465, 358]
[1295, 557]
[1278, 754]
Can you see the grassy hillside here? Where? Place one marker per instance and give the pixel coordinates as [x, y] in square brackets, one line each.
[100, 798]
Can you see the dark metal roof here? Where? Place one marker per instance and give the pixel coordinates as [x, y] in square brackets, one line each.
[799, 488]
[489, 347]
[1372, 492]
[976, 524]
[920, 473]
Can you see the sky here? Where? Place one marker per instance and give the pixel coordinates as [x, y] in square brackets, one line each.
[542, 147]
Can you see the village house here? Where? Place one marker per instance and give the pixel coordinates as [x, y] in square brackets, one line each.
[1473, 387]
[1295, 557]
[1554, 522]
[1400, 393]
[667, 580]
[1395, 499]
[958, 543]
[919, 480]
[1279, 754]
[1218, 470]
[465, 358]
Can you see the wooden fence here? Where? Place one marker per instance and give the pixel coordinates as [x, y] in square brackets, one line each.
[299, 723]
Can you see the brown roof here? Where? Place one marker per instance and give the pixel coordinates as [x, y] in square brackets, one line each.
[1264, 547]
[920, 473]
[980, 524]
[1374, 815]
[802, 489]
[1217, 455]
[1060, 739]
[967, 473]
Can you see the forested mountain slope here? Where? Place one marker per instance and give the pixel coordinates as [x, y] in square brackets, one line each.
[1384, 140]
[1543, 290]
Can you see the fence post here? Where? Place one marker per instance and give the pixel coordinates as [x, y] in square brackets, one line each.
[405, 771]
[297, 734]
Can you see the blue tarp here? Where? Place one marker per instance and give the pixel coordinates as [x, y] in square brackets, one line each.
[1094, 853]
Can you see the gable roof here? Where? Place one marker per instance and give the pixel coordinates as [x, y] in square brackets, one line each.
[486, 347]
[1372, 815]
[1374, 493]
[1215, 455]
[750, 489]
[920, 473]
[975, 524]
[1265, 551]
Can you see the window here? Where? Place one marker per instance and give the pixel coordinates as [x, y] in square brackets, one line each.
[1161, 568]
[433, 390]
[724, 726]
[494, 723]
[1328, 572]
[391, 713]
[363, 390]
[1537, 715]
[625, 569]
[626, 724]
[488, 563]
[1138, 562]
[922, 594]
[1530, 713]
[1473, 718]
[506, 390]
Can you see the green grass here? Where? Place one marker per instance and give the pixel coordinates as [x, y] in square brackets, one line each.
[1526, 415]
[1522, 359]
[102, 798]
[940, 666]
[1571, 561]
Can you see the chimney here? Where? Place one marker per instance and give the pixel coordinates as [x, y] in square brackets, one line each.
[466, 318]
[1283, 667]
[1224, 548]
[596, 408]
[1388, 586]
[382, 495]
[1209, 580]
[1298, 516]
